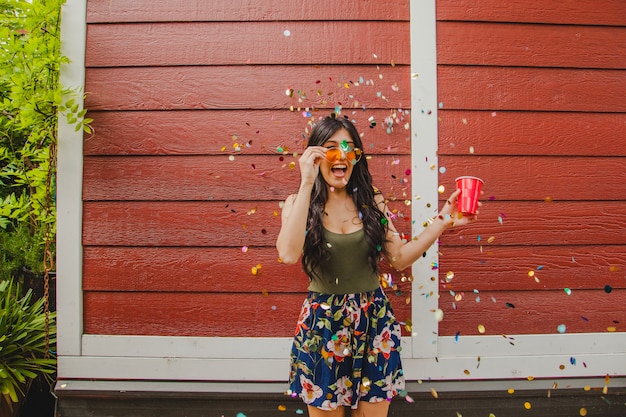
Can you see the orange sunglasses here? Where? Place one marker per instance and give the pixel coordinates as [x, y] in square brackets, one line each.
[352, 154]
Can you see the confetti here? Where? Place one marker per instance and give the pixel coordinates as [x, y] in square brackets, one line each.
[583, 411]
[567, 291]
[561, 328]
[439, 314]
[481, 329]
[287, 33]
[527, 405]
[434, 393]
[282, 408]
[608, 289]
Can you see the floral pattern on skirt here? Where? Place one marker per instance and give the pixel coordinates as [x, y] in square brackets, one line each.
[346, 349]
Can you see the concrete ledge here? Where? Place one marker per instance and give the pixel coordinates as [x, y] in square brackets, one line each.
[543, 403]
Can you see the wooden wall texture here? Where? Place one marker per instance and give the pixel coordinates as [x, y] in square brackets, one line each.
[532, 100]
[195, 141]
[200, 109]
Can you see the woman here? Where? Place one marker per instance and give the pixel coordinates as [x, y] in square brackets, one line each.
[346, 350]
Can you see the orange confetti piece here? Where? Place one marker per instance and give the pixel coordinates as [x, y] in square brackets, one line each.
[434, 393]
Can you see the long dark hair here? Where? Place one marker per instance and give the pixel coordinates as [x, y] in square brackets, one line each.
[359, 187]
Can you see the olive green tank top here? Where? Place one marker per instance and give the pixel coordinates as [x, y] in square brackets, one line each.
[348, 270]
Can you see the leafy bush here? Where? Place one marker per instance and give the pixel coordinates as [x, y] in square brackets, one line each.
[24, 353]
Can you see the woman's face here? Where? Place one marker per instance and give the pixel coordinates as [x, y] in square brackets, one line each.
[339, 163]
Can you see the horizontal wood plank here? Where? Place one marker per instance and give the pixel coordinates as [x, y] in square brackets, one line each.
[531, 89]
[202, 178]
[536, 178]
[237, 224]
[486, 268]
[190, 270]
[531, 312]
[247, 87]
[507, 268]
[199, 314]
[467, 132]
[542, 224]
[243, 10]
[244, 177]
[531, 45]
[569, 12]
[210, 132]
[252, 43]
[275, 315]
[211, 224]
[169, 269]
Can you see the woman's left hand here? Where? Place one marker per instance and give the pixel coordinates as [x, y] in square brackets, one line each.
[449, 212]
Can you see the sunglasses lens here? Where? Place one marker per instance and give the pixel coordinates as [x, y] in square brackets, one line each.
[333, 155]
[355, 155]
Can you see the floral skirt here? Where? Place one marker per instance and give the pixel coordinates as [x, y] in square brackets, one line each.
[346, 349]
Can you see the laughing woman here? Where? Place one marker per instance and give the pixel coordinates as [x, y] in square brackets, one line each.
[346, 347]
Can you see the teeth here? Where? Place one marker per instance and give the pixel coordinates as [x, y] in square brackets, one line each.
[340, 167]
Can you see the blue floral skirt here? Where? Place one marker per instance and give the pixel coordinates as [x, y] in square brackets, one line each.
[346, 349]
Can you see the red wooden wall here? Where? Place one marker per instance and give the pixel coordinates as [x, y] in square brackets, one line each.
[200, 109]
[532, 100]
[184, 174]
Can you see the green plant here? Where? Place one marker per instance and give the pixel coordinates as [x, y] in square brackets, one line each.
[25, 346]
[31, 100]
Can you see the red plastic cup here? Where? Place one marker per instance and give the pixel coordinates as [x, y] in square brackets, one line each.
[470, 193]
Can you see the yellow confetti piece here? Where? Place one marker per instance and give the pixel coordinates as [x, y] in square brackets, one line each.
[491, 239]
[466, 372]
[613, 268]
[449, 276]
[434, 393]
[583, 411]
[511, 390]
[531, 273]
[587, 388]
[292, 165]
[605, 389]
[611, 329]
[441, 189]
[530, 378]
[481, 328]
[528, 405]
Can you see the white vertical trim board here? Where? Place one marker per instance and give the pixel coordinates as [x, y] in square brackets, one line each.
[70, 185]
[424, 142]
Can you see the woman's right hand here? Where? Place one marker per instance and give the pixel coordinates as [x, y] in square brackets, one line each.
[310, 162]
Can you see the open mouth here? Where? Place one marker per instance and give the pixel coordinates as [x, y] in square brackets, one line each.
[339, 170]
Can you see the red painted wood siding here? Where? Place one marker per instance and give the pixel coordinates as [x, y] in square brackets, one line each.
[532, 100]
[175, 217]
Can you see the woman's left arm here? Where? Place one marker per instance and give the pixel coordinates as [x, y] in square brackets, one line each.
[402, 254]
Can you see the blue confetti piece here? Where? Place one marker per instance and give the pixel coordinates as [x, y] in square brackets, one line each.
[456, 337]
[572, 360]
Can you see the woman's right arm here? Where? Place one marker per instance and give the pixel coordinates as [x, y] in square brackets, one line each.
[290, 241]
